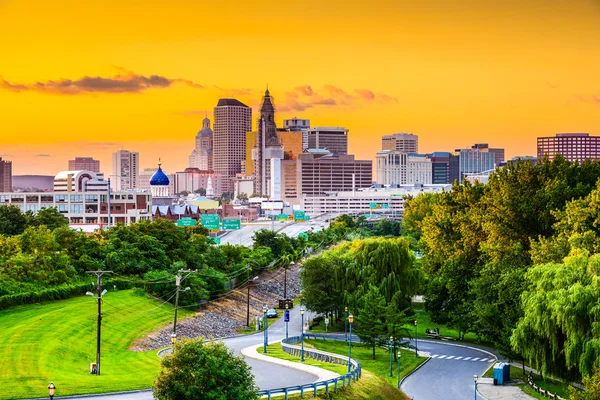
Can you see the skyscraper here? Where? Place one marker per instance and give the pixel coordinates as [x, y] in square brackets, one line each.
[266, 148]
[334, 139]
[125, 170]
[201, 156]
[573, 146]
[5, 175]
[232, 120]
[404, 142]
[498, 153]
[84, 164]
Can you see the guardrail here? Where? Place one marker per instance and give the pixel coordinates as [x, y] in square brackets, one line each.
[543, 392]
[290, 346]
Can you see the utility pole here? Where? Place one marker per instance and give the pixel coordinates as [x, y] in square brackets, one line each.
[100, 294]
[178, 280]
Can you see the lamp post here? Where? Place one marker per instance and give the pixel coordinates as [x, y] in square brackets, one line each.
[302, 335]
[287, 319]
[399, 354]
[416, 343]
[475, 379]
[51, 390]
[265, 327]
[350, 321]
[346, 323]
[391, 355]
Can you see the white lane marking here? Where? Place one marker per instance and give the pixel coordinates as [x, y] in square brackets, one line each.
[483, 360]
[440, 357]
[466, 358]
[475, 359]
[458, 358]
[434, 356]
[449, 357]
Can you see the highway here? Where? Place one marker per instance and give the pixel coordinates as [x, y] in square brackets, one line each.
[267, 376]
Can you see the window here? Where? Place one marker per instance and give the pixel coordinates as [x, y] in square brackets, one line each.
[76, 198]
[76, 208]
[91, 198]
[32, 207]
[62, 198]
[63, 208]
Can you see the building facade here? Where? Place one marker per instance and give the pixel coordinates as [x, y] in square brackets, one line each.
[573, 146]
[5, 175]
[395, 167]
[444, 167]
[298, 125]
[233, 119]
[146, 175]
[125, 170]
[474, 160]
[319, 172]
[291, 140]
[84, 164]
[266, 147]
[80, 182]
[498, 153]
[202, 157]
[404, 142]
[192, 179]
[333, 139]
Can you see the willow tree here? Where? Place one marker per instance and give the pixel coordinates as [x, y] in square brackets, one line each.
[559, 333]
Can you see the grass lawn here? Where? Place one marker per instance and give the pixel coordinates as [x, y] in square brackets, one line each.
[337, 327]
[424, 322]
[56, 341]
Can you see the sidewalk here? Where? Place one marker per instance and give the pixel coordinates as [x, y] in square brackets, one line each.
[486, 388]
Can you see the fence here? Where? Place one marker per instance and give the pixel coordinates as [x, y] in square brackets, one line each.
[290, 346]
[543, 392]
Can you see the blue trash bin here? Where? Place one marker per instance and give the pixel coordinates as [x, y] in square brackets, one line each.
[499, 374]
[506, 372]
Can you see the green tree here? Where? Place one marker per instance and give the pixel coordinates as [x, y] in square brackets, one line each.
[320, 293]
[242, 196]
[50, 218]
[12, 220]
[371, 319]
[204, 371]
[592, 388]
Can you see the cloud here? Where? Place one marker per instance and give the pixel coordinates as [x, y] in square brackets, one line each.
[42, 155]
[588, 99]
[127, 82]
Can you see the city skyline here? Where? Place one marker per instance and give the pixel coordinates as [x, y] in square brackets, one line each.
[454, 75]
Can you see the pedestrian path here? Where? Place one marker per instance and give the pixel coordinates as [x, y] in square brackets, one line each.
[459, 358]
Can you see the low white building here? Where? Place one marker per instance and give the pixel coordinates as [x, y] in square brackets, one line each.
[396, 167]
[80, 182]
[378, 199]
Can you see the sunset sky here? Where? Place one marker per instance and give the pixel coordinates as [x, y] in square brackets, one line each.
[86, 78]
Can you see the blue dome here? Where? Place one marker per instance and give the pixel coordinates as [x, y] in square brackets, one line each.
[159, 178]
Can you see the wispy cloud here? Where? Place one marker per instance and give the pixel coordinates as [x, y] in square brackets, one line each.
[304, 97]
[126, 82]
[42, 155]
[588, 99]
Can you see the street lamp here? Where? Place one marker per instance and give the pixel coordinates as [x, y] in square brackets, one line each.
[416, 343]
[265, 327]
[350, 320]
[287, 319]
[346, 323]
[302, 334]
[399, 355]
[391, 355]
[173, 340]
[51, 390]
[475, 379]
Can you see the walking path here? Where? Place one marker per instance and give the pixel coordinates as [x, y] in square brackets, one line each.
[486, 388]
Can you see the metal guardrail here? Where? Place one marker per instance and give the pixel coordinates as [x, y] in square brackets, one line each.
[290, 346]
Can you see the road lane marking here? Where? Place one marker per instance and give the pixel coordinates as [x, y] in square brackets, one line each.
[466, 358]
[434, 356]
[458, 358]
[440, 357]
[475, 359]
[449, 357]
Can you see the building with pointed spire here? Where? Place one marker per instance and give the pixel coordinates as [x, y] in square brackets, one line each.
[267, 152]
[202, 155]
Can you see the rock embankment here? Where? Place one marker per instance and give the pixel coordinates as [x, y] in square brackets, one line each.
[223, 317]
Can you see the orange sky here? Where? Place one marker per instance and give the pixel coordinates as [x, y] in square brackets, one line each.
[452, 72]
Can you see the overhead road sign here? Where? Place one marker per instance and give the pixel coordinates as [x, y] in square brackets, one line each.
[211, 221]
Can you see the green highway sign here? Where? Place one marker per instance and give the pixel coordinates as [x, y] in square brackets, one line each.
[372, 205]
[385, 205]
[299, 216]
[282, 217]
[303, 235]
[233, 224]
[211, 221]
[214, 240]
[186, 222]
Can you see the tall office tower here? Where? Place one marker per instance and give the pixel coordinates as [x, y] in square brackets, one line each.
[201, 156]
[84, 164]
[404, 142]
[125, 170]
[298, 125]
[334, 139]
[474, 160]
[232, 120]
[498, 153]
[573, 146]
[396, 167]
[5, 175]
[266, 147]
[291, 142]
[444, 167]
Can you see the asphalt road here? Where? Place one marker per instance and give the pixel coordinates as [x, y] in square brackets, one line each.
[449, 373]
[267, 376]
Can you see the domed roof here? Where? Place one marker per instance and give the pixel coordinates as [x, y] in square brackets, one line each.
[159, 178]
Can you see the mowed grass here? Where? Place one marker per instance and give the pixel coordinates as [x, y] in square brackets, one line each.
[56, 342]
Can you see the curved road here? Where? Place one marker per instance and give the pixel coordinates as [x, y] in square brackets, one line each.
[267, 375]
[448, 375]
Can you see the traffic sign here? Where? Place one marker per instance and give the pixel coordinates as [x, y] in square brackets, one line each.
[299, 216]
[372, 205]
[211, 221]
[281, 217]
[232, 224]
[286, 316]
[186, 222]
[385, 205]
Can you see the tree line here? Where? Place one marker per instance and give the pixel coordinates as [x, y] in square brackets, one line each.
[516, 261]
